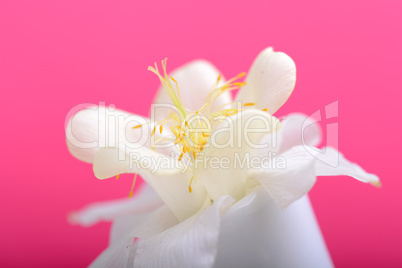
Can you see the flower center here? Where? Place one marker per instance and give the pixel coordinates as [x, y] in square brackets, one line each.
[192, 129]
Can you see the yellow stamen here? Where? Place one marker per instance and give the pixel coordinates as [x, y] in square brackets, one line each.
[224, 87]
[181, 156]
[153, 131]
[205, 135]
[137, 126]
[161, 129]
[239, 84]
[249, 104]
[265, 109]
[132, 186]
[189, 187]
[376, 183]
[178, 140]
[117, 176]
[240, 75]
[169, 88]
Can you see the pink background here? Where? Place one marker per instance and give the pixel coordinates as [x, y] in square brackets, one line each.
[57, 54]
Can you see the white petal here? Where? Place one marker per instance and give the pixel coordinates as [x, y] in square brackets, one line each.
[153, 224]
[95, 127]
[192, 243]
[289, 176]
[195, 81]
[167, 176]
[256, 233]
[124, 225]
[298, 129]
[237, 149]
[330, 162]
[286, 185]
[122, 246]
[145, 201]
[116, 256]
[270, 81]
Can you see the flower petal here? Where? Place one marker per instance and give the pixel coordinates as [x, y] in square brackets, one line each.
[222, 167]
[122, 246]
[298, 129]
[167, 176]
[95, 127]
[117, 256]
[146, 200]
[256, 233]
[331, 162]
[270, 81]
[286, 185]
[192, 243]
[195, 81]
[288, 176]
[152, 224]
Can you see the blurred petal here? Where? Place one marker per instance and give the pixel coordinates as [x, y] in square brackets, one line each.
[145, 201]
[95, 127]
[290, 179]
[192, 243]
[167, 176]
[116, 256]
[270, 81]
[195, 81]
[123, 245]
[153, 223]
[298, 129]
[233, 140]
[330, 162]
[124, 225]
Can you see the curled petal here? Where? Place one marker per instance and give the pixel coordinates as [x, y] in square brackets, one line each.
[95, 127]
[291, 180]
[270, 81]
[192, 243]
[167, 176]
[330, 162]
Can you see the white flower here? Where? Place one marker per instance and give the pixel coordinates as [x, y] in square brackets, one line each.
[195, 215]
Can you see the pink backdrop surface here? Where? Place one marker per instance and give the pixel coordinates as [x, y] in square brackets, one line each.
[57, 54]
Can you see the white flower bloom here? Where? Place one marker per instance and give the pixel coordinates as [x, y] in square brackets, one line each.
[190, 213]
